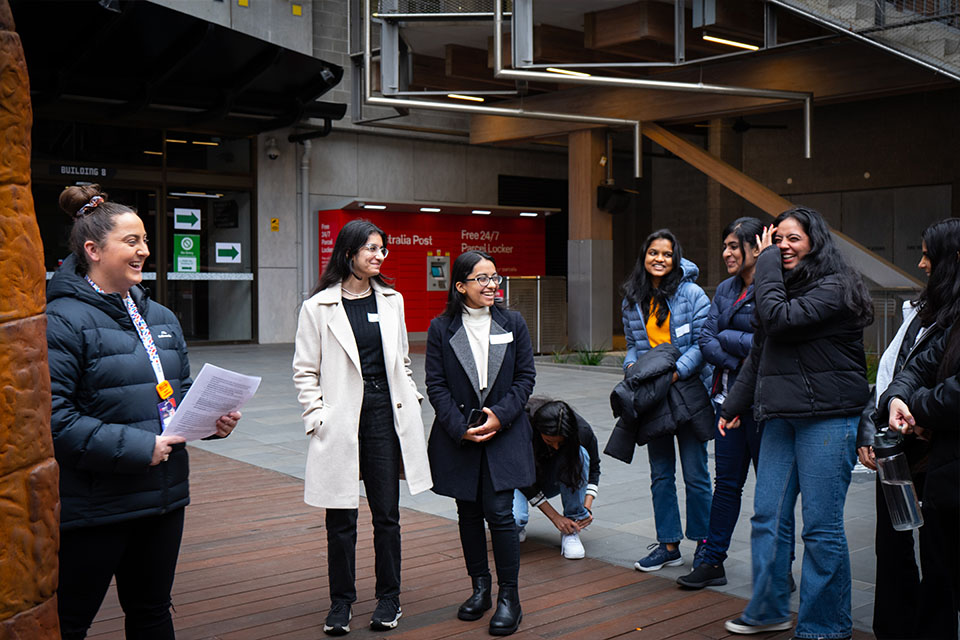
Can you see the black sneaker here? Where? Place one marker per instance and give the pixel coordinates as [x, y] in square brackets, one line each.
[338, 619]
[705, 575]
[387, 614]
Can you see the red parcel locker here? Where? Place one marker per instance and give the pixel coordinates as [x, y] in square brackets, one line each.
[421, 243]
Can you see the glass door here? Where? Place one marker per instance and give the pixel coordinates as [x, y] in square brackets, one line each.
[208, 263]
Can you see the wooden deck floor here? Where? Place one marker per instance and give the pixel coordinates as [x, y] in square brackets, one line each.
[252, 566]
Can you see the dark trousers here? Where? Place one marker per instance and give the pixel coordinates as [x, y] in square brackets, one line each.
[733, 454]
[380, 468]
[141, 553]
[496, 507]
[897, 596]
[939, 553]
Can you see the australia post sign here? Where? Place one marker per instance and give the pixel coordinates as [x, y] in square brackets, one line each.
[516, 244]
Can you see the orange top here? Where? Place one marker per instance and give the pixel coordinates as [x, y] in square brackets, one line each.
[657, 335]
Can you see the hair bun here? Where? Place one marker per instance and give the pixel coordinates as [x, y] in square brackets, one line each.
[73, 198]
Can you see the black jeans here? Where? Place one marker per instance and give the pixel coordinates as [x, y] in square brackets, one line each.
[896, 602]
[380, 468]
[939, 553]
[141, 553]
[496, 507]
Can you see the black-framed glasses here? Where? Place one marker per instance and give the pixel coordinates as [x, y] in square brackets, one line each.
[483, 279]
[375, 248]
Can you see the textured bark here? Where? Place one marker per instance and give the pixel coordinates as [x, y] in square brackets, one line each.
[29, 500]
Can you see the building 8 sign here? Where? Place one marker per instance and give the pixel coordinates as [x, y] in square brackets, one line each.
[424, 246]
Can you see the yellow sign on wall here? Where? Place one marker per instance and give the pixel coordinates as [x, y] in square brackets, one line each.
[274, 224]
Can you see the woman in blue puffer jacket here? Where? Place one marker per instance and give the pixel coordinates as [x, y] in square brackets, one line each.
[661, 304]
[725, 343]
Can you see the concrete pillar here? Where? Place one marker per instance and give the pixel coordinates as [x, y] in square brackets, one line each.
[589, 248]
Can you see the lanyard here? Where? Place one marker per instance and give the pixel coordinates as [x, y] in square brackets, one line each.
[163, 387]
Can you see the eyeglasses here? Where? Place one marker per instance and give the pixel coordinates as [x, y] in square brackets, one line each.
[483, 279]
[373, 248]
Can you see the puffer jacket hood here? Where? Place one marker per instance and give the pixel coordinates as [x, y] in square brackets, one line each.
[104, 403]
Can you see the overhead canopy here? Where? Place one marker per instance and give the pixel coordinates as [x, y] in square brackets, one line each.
[150, 66]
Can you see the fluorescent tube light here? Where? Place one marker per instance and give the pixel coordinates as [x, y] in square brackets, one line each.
[731, 43]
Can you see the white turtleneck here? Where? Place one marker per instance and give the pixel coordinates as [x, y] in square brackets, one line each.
[477, 324]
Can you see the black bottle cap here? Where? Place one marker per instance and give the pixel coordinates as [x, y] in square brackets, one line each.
[887, 443]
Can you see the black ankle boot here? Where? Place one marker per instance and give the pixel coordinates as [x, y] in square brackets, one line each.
[508, 615]
[479, 602]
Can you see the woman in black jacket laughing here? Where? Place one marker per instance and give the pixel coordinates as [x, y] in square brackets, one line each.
[118, 362]
[806, 378]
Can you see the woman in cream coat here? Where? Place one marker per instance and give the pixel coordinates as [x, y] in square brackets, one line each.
[361, 410]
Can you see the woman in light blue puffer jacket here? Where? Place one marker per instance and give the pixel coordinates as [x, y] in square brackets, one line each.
[661, 304]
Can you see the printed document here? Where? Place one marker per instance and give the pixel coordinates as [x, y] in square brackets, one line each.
[215, 392]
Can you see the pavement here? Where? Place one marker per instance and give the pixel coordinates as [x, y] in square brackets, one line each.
[271, 436]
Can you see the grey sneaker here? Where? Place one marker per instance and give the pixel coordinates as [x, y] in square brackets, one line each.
[739, 625]
[387, 614]
[338, 619]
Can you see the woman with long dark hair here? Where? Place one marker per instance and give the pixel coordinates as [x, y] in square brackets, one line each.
[725, 343]
[924, 402]
[662, 304]
[479, 374]
[567, 461]
[900, 595]
[805, 378]
[118, 363]
[361, 410]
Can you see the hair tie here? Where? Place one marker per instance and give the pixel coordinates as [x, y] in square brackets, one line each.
[87, 208]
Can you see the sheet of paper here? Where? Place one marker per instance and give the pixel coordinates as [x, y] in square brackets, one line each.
[215, 392]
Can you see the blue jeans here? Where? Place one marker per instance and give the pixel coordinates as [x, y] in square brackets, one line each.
[733, 454]
[696, 479]
[813, 457]
[572, 499]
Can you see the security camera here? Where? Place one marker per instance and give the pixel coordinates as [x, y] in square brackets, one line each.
[273, 151]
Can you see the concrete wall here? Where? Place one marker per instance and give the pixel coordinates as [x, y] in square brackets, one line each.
[347, 166]
[275, 21]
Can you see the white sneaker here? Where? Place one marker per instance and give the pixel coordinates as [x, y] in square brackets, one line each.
[522, 534]
[570, 546]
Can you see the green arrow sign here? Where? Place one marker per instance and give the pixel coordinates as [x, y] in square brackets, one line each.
[228, 252]
[186, 219]
[189, 218]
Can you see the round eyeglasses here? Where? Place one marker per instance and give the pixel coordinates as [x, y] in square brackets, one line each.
[373, 248]
[483, 279]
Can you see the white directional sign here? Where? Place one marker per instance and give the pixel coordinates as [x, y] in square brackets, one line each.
[228, 252]
[186, 219]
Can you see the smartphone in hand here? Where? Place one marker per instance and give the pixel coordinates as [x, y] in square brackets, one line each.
[476, 418]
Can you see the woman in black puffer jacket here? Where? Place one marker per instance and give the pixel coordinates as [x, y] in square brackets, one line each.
[806, 379]
[123, 486]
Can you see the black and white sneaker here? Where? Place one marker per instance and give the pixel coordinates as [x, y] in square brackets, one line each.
[338, 619]
[387, 614]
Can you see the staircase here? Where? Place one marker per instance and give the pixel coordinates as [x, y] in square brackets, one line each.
[925, 31]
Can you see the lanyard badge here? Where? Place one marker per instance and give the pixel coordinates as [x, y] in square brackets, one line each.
[167, 404]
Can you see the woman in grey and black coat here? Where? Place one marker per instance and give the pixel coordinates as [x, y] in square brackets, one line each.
[479, 374]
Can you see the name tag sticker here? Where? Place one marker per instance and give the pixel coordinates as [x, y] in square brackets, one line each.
[373, 317]
[684, 330]
[501, 338]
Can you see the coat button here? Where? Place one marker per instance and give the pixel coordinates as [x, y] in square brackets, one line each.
[399, 405]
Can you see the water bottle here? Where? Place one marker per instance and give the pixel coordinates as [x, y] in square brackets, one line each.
[898, 490]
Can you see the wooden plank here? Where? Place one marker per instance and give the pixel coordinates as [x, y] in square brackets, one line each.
[733, 179]
[253, 567]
